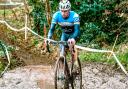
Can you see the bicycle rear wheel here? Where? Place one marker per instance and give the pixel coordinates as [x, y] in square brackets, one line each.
[77, 76]
[61, 78]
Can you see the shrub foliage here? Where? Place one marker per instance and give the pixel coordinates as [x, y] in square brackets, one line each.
[101, 20]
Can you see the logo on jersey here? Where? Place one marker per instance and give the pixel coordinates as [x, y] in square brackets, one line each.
[76, 19]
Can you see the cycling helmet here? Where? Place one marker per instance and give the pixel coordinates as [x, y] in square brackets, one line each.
[64, 5]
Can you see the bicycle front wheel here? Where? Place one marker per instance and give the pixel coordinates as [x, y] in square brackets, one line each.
[61, 78]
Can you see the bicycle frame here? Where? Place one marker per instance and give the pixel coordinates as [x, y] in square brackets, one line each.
[70, 76]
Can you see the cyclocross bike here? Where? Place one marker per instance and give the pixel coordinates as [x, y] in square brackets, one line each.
[67, 75]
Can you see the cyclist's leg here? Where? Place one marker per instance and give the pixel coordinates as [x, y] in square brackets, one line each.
[75, 56]
[75, 53]
[64, 37]
[76, 71]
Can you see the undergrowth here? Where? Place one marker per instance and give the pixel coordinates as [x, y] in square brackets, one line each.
[121, 54]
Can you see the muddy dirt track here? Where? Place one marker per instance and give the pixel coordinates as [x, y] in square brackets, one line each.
[95, 76]
[34, 70]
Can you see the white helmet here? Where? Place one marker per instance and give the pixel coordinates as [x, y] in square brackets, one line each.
[64, 5]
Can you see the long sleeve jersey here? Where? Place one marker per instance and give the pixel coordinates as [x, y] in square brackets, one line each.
[68, 25]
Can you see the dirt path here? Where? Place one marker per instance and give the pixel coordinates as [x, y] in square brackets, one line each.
[95, 76]
[101, 76]
[28, 77]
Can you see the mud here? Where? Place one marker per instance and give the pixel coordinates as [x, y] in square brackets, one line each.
[102, 76]
[95, 76]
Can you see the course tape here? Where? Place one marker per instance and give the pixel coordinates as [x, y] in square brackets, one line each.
[79, 47]
[104, 51]
[10, 27]
[12, 3]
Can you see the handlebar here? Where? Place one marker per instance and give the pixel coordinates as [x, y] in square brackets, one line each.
[49, 41]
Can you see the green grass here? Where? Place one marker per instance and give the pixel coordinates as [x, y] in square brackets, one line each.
[6, 12]
[1, 67]
[105, 57]
[91, 56]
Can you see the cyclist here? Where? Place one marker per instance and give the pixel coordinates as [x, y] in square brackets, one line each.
[69, 22]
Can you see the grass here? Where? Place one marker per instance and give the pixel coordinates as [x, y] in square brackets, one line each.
[6, 11]
[15, 20]
[91, 56]
[105, 57]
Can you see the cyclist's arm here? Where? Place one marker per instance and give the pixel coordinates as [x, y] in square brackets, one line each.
[51, 31]
[76, 26]
[53, 24]
[76, 31]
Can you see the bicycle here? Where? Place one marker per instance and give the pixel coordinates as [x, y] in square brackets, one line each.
[72, 77]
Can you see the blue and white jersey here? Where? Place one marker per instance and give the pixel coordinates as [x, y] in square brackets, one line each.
[68, 23]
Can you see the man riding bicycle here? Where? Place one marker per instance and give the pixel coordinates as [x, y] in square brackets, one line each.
[69, 22]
